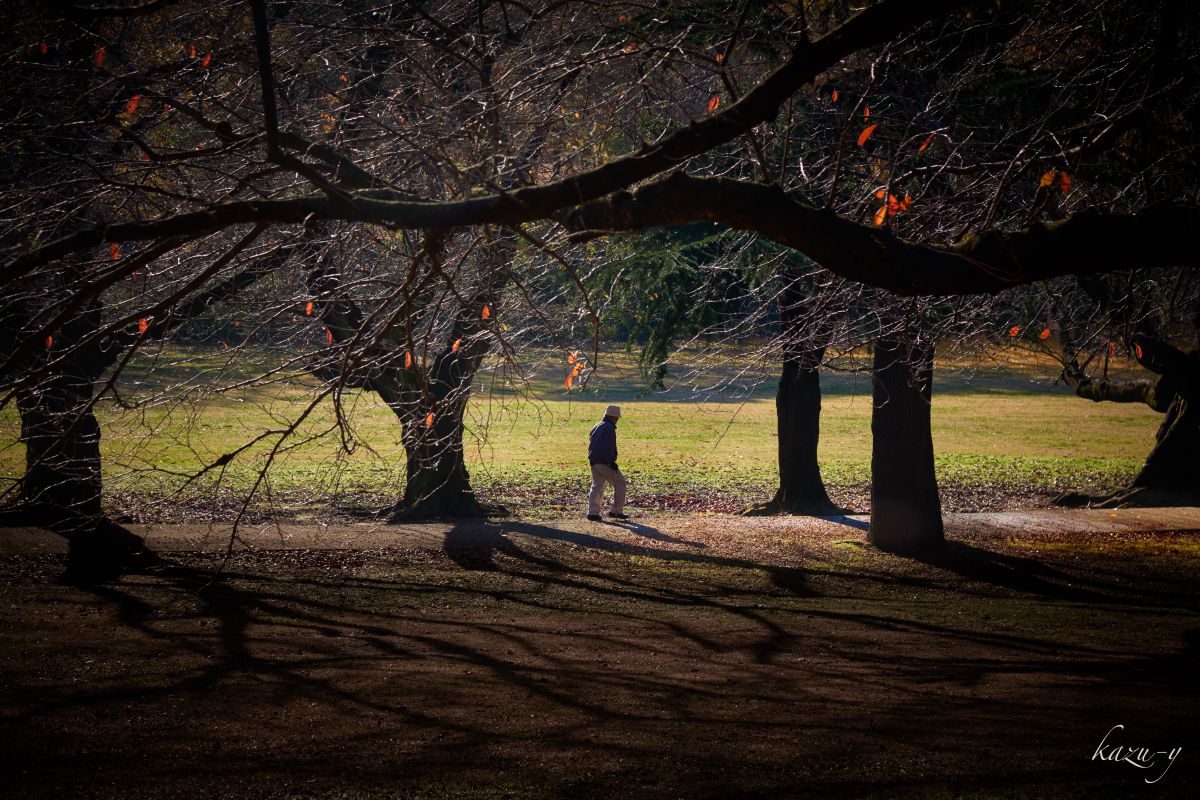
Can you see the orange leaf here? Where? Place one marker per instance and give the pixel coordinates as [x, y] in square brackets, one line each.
[344, 79]
[1064, 182]
[1045, 334]
[429, 420]
[571, 358]
[881, 214]
[1048, 177]
[1014, 332]
[114, 251]
[132, 105]
[570, 379]
[487, 313]
[1112, 349]
[867, 113]
[578, 368]
[191, 49]
[407, 359]
[1137, 348]
[719, 57]
[880, 194]
[454, 347]
[713, 102]
[100, 57]
[866, 133]
[906, 203]
[143, 325]
[834, 96]
[329, 334]
[928, 141]
[204, 62]
[308, 309]
[49, 342]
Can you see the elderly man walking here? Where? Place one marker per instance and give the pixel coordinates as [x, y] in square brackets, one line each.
[602, 455]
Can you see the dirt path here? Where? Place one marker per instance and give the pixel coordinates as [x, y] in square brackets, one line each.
[730, 533]
[683, 657]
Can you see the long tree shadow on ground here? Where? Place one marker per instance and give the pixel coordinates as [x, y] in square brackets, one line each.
[612, 659]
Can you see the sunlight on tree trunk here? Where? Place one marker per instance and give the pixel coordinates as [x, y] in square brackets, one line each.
[437, 484]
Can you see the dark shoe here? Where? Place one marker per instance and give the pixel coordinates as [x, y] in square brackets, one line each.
[615, 515]
[595, 518]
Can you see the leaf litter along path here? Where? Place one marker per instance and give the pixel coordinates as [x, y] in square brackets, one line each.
[678, 656]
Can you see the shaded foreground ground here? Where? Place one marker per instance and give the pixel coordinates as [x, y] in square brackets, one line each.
[686, 657]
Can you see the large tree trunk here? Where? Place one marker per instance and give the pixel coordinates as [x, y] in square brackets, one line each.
[798, 423]
[798, 420]
[798, 411]
[437, 482]
[1171, 465]
[62, 480]
[906, 512]
[1169, 476]
[430, 406]
[62, 449]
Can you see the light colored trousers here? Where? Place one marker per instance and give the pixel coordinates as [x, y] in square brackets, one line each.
[603, 474]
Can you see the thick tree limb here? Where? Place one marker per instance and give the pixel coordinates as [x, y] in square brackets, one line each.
[1099, 391]
[1086, 242]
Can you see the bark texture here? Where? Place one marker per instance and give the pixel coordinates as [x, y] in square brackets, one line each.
[62, 449]
[906, 511]
[798, 423]
[1169, 476]
[437, 483]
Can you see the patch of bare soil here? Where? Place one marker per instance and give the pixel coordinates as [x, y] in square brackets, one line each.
[688, 657]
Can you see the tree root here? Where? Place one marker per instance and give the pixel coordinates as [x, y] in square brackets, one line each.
[426, 510]
[1130, 497]
[797, 509]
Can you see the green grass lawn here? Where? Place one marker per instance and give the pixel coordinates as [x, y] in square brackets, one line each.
[1003, 424]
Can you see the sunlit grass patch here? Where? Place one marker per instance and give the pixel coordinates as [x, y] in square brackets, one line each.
[684, 449]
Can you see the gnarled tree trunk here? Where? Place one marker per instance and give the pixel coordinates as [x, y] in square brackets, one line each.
[437, 482]
[906, 512]
[1169, 476]
[1171, 466]
[62, 449]
[62, 480]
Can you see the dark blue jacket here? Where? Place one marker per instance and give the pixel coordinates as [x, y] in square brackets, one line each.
[602, 444]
